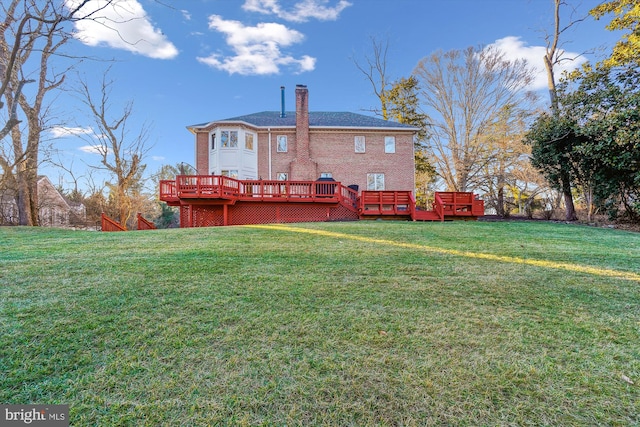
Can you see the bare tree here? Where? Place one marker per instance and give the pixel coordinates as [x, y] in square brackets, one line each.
[528, 185]
[374, 69]
[463, 94]
[121, 152]
[31, 34]
[399, 101]
[507, 154]
[554, 56]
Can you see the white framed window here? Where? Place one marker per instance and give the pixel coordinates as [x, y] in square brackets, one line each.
[229, 139]
[375, 181]
[248, 141]
[282, 176]
[231, 173]
[282, 144]
[326, 175]
[359, 144]
[389, 144]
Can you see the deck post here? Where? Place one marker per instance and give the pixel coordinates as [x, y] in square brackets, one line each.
[225, 214]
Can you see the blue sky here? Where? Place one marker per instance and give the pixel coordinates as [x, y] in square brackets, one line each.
[192, 61]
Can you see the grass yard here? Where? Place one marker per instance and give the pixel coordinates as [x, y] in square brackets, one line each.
[365, 323]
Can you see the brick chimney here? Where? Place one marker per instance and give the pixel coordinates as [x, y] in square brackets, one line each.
[303, 168]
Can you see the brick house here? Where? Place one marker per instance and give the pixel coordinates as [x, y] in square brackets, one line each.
[304, 145]
[273, 167]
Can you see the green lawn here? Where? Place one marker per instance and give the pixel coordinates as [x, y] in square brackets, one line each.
[365, 323]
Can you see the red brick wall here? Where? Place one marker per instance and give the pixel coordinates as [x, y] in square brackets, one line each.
[280, 162]
[202, 153]
[334, 151]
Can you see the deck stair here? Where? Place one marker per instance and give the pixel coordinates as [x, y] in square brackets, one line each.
[422, 215]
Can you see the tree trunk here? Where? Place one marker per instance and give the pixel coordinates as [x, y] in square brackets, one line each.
[551, 85]
[22, 196]
[32, 176]
[500, 201]
[569, 208]
[588, 196]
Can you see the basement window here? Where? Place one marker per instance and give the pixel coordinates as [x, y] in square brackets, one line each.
[282, 176]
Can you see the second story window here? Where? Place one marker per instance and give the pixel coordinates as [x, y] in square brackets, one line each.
[248, 141]
[282, 144]
[389, 144]
[359, 144]
[213, 141]
[229, 139]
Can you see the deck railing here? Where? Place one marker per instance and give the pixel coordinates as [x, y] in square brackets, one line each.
[144, 224]
[396, 203]
[458, 204]
[206, 186]
[109, 224]
[168, 191]
[222, 187]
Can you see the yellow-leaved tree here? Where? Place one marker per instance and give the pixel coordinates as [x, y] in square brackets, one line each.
[627, 18]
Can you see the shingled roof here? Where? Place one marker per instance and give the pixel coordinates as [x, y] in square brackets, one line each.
[317, 119]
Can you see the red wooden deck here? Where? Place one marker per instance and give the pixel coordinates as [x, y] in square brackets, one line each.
[217, 200]
[198, 189]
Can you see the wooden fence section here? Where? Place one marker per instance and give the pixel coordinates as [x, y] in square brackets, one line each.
[108, 224]
[144, 224]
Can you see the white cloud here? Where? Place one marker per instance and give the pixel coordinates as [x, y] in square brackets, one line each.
[257, 49]
[92, 149]
[62, 131]
[158, 158]
[122, 24]
[301, 11]
[514, 48]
